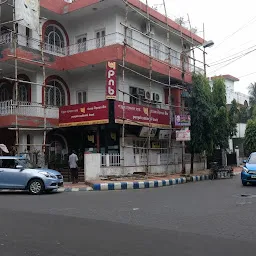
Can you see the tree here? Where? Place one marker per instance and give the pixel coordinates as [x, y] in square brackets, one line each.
[250, 136]
[252, 93]
[201, 111]
[221, 119]
[233, 116]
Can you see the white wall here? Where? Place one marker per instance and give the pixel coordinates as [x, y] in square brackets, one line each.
[240, 130]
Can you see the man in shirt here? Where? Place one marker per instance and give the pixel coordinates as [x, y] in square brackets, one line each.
[73, 159]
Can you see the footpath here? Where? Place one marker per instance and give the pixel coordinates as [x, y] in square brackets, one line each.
[150, 181]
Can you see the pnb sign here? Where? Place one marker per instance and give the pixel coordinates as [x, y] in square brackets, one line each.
[111, 81]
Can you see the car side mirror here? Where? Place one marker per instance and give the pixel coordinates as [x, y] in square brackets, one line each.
[245, 161]
[19, 167]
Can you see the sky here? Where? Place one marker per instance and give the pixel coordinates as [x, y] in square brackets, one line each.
[231, 25]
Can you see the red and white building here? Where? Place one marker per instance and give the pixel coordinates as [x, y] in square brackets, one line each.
[79, 40]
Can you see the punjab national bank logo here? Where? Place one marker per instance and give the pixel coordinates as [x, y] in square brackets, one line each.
[145, 110]
[82, 110]
[112, 65]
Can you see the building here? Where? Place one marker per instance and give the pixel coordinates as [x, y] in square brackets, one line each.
[82, 42]
[243, 101]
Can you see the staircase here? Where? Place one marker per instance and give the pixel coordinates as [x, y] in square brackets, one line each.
[65, 172]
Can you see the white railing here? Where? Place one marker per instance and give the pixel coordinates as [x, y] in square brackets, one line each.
[27, 109]
[6, 38]
[108, 160]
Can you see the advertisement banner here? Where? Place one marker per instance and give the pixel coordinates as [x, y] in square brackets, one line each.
[183, 135]
[182, 120]
[111, 86]
[141, 115]
[27, 13]
[84, 114]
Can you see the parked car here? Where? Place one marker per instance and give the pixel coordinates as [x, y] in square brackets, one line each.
[18, 173]
[248, 174]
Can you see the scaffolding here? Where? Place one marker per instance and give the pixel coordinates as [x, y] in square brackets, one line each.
[16, 102]
[149, 78]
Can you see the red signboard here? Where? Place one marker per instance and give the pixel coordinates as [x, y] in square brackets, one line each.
[84, 114]
[111, 86]
[141, 115]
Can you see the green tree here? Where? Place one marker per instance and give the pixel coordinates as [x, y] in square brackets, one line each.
[233, 116]
[252, 93]
[221, 117]
[200, 105]
[250, 136]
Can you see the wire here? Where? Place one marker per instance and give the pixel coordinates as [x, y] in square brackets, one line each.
[238, 30]
[234, 60]
[247, 75]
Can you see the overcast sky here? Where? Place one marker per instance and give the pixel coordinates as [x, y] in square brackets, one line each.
[222, 18]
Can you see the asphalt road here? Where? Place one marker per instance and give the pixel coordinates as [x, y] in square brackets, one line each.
[206, 218]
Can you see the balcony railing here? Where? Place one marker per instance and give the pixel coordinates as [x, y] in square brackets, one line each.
[27, 109]
[158, 51]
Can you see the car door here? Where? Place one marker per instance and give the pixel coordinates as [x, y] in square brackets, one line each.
[1, 174]
[11, 177]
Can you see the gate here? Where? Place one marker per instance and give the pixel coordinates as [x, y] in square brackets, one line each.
[231, 159]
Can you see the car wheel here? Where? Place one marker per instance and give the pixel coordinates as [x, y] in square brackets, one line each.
[36, 187]
[244, 183]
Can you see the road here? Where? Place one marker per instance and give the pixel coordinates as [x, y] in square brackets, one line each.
[206, 218]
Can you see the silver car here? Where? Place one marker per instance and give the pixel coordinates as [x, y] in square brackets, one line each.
[18, 173]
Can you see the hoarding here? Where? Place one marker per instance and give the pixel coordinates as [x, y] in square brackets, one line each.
[111, 86]
[182, 120]
[141, 115]
[27, 13]
[84, 114]
[183, 135]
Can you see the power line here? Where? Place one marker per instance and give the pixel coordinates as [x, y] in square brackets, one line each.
[238, 30]
[247, 75]
[234, 60]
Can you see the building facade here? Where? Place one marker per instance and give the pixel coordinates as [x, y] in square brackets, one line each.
[81, 42]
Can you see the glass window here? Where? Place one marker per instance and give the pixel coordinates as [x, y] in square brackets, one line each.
[55, 95]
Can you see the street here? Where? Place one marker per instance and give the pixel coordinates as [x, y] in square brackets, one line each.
[204, 218]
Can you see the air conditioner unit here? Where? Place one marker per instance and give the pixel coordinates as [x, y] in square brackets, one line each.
[157, 97]
[147, 95]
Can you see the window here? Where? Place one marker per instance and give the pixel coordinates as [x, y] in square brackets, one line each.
[81, 43]
[156, 50]
[81, 97]
[5, 91]
[54, 37]
[7, 163]
[23, 92]
[175, 58]
[129, 37]
[28, 31]
[55, 95]
[100, 38]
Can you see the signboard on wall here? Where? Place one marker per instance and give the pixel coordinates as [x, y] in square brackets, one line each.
[183, 135]
[84, 114]
[141, 115]
[182, 120]
[146, 131]
[111, 81]
[27, 12]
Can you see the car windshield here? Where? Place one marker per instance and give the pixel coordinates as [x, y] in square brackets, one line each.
[252, 159]
[26, 163]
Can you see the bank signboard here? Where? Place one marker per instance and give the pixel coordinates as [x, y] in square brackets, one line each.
[84, 114]
[141, 115]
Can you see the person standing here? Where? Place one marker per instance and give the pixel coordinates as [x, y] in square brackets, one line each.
[73, 159]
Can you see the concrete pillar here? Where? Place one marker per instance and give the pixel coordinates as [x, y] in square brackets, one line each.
[237, 156]
[137, 160]
[107, 160]
[158, 161]
[92, 166]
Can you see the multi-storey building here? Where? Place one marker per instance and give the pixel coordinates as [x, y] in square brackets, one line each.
[79, 39]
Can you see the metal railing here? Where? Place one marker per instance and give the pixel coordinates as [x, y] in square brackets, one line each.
[27, 109]
[159, 51]
[108, 160]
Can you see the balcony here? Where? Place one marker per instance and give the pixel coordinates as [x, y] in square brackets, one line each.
[9, 107]
[158, 51]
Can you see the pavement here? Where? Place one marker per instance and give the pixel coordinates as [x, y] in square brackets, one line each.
[150, 182]
[211, 218]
